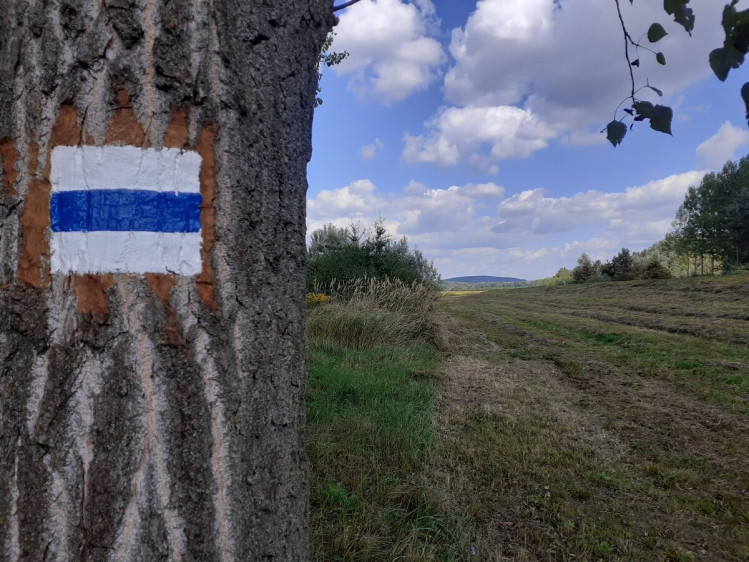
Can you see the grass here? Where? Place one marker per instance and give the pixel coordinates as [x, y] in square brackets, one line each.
[595, 422]
[370, 405]
[368, 312]
[613, 423]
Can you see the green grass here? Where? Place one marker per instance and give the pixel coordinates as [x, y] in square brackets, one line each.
[373, 375]
[369, 418]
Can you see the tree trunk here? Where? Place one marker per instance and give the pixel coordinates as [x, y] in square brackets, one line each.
[152, 414]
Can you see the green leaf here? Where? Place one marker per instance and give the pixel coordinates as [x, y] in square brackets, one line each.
[682, 15]
[661, 58]
[660, 115]
[643, 108]
[615, 132]
[660, 119]
[745, 97]
[656, 33]
[722, 60]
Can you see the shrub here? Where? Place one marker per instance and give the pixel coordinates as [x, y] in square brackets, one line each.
[344, 254]
[653, 270]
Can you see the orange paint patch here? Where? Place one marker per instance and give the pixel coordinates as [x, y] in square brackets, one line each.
[91, 293]
[205, 281]
[124, 127]
[33, 265]
[161, 286]
[177, 130]
[66, 131]
[9, 154]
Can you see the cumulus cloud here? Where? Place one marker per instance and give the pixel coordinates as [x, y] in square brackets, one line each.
[391, 52]
[479, 229]
[722, 146]
[369, 151]
[636, 212]
[561, 65]
[482, 134]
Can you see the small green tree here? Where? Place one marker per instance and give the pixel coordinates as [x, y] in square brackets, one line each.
[585, 269]
[620, 267]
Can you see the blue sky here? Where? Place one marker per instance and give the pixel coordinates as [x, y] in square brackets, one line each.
[473, 128]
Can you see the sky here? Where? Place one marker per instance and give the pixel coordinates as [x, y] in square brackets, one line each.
[473, 128]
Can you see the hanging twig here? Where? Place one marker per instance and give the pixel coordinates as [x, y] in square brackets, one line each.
[344, 5]
[627, 41]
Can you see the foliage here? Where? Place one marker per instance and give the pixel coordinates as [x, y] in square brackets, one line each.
[721, 60]
[586, 269]
[327, 58]
[653, 269]
[620, 267]
[712, 219]
[343, 254]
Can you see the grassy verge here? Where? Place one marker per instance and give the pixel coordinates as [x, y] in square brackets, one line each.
[370, 405]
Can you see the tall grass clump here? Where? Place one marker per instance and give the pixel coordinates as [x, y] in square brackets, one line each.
[367, 312]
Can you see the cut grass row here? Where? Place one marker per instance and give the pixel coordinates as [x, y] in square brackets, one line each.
[615, 440]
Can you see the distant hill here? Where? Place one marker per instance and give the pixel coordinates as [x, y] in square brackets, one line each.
[482, 279]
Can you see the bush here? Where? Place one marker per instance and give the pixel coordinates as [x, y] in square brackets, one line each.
[653, 270]
[344, 254]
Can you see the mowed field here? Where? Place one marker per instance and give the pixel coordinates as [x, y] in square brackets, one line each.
[588, 422]
[604, 421]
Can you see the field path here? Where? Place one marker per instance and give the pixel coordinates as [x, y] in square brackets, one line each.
[598, 422]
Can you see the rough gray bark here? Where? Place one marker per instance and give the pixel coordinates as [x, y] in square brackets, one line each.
[149, 417]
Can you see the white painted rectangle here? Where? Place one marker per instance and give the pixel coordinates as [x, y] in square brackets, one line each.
[89, 168]
[175, 253]
[124, 167]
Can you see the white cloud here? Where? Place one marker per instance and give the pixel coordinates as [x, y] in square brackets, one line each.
[482, 134]
[391, 53]
[369, 151]
[352, 201]
[561, 64]
[722, 146]
[478, 229]
[636, 212]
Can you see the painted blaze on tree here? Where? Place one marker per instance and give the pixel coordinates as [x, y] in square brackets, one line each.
[152, 278]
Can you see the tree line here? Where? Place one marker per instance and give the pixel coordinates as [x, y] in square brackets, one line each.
[710, 235]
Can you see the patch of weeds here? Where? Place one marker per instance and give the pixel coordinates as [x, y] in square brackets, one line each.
[340, 501]
[603, 337]
[608, 480]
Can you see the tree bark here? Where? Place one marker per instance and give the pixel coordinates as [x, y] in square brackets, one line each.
[158, 416]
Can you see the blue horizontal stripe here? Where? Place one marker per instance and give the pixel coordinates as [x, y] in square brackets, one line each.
[125, 210]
